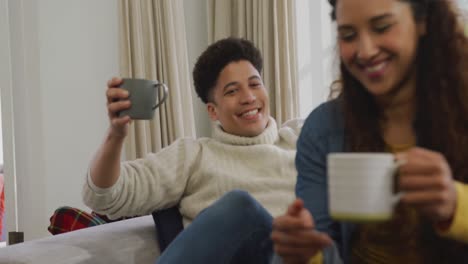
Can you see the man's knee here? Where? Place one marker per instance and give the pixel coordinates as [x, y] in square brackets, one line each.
[238, 200]
[238, 206]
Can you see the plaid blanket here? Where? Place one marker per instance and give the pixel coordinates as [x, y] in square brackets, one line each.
[66, 219]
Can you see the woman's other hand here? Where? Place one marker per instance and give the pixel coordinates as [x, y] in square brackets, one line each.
[294, 237]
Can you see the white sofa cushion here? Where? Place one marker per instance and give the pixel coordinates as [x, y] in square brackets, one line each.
[128, 241]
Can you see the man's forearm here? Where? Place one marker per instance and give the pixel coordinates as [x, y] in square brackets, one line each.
[105, 167]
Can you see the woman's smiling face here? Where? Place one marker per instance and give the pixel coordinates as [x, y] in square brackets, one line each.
[378, 42]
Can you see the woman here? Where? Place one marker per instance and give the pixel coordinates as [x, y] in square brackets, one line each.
[404, 89]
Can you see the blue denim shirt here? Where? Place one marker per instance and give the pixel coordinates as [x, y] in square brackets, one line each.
[322, 133]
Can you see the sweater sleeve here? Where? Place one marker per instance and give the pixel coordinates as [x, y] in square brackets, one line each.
[311, 186]
[322, 133]
[290, 131]
[458, 230]
[155, 182]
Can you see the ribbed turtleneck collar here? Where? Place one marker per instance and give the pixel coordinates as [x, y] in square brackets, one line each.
[268, 136]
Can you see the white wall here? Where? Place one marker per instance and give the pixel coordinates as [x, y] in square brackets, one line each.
[78, 54]
[62, 53]
[7, 113]
[26, 102]
[315, 38]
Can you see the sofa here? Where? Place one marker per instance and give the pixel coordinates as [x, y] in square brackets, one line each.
[135, 240]
[128, 241]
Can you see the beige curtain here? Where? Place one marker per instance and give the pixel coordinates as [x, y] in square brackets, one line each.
[153, 46]
[270, 24]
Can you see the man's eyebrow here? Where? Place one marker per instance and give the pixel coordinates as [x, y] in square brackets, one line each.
[254, 77]
[229, 84]
[235, 83]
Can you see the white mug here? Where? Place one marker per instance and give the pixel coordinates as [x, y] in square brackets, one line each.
[361, 186]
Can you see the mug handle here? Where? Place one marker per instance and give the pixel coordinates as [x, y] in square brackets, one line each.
[397, 196]
[165, 91]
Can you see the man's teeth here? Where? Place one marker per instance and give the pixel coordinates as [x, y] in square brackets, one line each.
[250, 113]
[376, 68]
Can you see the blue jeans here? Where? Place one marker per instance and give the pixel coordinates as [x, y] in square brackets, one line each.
[235, 229]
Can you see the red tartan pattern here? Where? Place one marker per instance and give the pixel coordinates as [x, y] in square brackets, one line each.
[66, 219]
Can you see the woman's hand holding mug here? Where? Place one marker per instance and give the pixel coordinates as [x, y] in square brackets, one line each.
[427, 183]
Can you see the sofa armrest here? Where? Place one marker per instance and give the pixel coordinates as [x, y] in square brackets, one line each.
[128, 241]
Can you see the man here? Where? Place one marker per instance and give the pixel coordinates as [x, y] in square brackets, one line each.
[246, 151]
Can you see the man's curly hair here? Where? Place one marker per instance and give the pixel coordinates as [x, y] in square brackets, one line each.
[213, 60]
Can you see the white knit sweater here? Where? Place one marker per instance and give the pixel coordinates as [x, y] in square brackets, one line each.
[195, 173]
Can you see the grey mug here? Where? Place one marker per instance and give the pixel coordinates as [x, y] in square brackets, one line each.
[144, 96]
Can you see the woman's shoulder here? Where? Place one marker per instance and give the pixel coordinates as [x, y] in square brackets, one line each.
[326, 119]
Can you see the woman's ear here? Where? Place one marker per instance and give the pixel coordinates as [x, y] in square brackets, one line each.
[211, 108]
